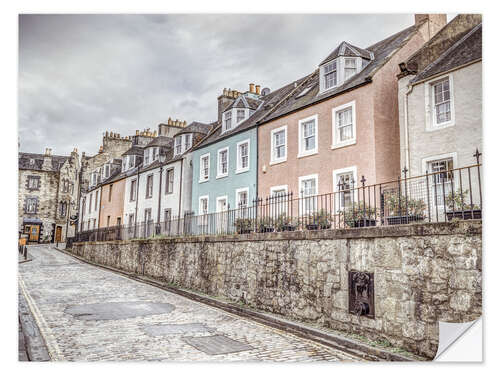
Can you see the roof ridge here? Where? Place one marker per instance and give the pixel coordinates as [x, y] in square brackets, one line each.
[451, 48]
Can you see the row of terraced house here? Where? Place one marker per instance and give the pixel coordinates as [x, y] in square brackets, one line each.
[408, 105]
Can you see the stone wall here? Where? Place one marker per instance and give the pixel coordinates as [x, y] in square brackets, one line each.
[423, 273]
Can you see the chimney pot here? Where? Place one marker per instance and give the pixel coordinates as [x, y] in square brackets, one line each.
[107, 134]
[252, 87]
[257, 89]
[185, 123]
[154, 133]
[137, 132]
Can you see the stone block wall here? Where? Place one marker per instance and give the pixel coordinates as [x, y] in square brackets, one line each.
[423, 273]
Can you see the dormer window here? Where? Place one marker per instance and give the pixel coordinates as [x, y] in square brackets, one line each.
[106, 170]
[131, 159]
[227, 120]
[330, 75]
[187, 142]
[155, 153]
[349, 67]
[178, 145]
[240, 115]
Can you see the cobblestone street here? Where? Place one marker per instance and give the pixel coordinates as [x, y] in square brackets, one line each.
[89, 314]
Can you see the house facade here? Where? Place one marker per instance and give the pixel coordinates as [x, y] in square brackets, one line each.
[341, 122]
[225, 162]
[440, 95]
[48, 195]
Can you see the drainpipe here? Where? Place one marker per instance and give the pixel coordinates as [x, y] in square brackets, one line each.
[99, 211]
[136, 201]
[180, 196]
[256, 165]
[159, 196]
[407, 141]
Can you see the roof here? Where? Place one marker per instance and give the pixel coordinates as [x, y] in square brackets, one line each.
[347, 49]
[464, 51]
[196, 127]
[268, 100]
[160, 141]
[134, 150]
[244, 102]
[382, 51]
[24, 161]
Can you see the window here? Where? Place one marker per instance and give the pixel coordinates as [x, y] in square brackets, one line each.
[203, 207]
[62, 209]
[349, 68]
[441, 182]
[330, 75]
[155, 153]
[169, 181]
[222, 163]
[131, 219]
[442, 101]
[344, 125]
[280, 199]
[96, 200]
[106, 170]
[33, 182]
[344, 184]
[187, 142]
[133, 188]
[90, 203]
[146, 157]
[278, 145]
[84, 204]
[242, 150]
[149, 186]
[204, 167]
[308, 191]
[178, 145]
[308, 140]
[227, 120]
[131, 159]
[242, 198]
[240, 115]
[31, 204]
[110, 192]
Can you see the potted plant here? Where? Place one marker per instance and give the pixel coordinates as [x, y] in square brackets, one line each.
[319, 220]
[243, 226]
[285, 223]
[265, 225]
[458, 208]
[403, 209]
[359, 214]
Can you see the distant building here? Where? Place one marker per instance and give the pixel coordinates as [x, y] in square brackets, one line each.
[48, 195]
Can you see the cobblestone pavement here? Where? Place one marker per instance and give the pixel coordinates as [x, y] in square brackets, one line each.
[89, 314]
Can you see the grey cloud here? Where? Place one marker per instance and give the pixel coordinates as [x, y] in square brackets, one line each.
[80, 75]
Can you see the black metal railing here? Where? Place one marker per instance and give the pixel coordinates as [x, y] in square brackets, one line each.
[434, 197]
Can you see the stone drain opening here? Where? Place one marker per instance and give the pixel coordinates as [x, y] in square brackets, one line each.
[118, 310]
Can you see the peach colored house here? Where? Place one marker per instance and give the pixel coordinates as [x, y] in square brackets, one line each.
[341, 122]
[112, 198]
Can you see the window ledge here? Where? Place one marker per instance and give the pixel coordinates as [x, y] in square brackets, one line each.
[302, 155]
[221, 176]
[433, 128]
[202, 181]
[343, 144]
[277, 161]
[238, 171]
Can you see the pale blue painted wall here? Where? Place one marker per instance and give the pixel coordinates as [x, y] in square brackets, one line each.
[226, 185]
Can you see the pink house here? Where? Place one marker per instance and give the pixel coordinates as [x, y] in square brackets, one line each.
[341, 122]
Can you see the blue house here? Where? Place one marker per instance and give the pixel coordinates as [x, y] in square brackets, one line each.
[225, 162]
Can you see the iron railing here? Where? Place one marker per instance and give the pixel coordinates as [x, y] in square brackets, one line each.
[434, 197]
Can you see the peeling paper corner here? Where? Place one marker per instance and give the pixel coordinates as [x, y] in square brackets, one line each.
[460, 342]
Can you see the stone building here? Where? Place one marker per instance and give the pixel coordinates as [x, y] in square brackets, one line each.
[48, 195]
[440, 109]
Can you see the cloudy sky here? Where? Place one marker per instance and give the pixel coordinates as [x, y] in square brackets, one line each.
[80, 75]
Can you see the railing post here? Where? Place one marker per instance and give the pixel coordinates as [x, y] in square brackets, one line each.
[428, 195]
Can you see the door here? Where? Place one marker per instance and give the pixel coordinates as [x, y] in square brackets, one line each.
[58, 234]
[34, 232]
[221, 215]
[147, 222]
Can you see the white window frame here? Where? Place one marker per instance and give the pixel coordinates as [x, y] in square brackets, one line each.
[428, 159]
[202, 197]
[179, 137]
[219, 173]
[335, 136]
[430, 115]
[202, 177]
[303, 153]
[187, 145]
[236, 196]
[301, 193]
[274, 159]
[224, 121]
[222, 197]
[354, 170]
[239, 168]
[274, 189]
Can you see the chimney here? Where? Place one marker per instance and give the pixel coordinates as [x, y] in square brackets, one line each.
[223, 101]
[47, 160]
[435, 22]
[48, 151]
[257, 89]
[184, 124]
[154, 133]
[100, 149]
[107, 134]
[137, 132]
[252, 88]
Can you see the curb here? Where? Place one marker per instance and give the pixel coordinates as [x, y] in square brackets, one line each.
[348, 345]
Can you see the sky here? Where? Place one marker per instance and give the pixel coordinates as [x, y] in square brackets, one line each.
[82, 75]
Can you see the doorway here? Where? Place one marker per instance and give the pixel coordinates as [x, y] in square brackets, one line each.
[58, 233]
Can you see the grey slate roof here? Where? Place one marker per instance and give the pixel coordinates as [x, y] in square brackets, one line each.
[347, 49]
[160, 141]
[196, 127]
[244, 102]
[24, 161]
[467, 49]
[134, 150]
[382, 51]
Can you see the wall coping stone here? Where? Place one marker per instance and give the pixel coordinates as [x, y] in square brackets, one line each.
[466, 227]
